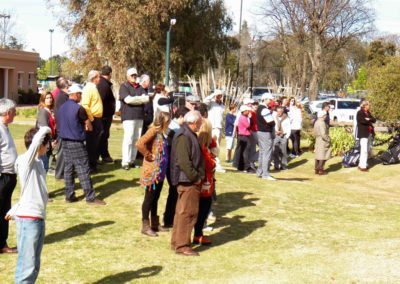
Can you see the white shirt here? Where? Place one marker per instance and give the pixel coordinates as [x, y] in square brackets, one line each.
[285, 126]
[216, 112]
[295, 117]
[32, 177]
[8, 152]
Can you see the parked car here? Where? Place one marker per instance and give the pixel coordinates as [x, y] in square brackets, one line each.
[342, 109]
[259, 91]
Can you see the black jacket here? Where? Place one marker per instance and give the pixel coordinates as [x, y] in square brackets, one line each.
[130, 112]
[107, 97]
[363, 124]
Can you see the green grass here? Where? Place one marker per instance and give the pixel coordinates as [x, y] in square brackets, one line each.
[339, 228]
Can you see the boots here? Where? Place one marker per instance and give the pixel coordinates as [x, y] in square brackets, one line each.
[155, 225]
[146, 230]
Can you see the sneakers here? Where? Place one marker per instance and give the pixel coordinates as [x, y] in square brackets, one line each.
[125, 167]
[202, 240]
[269, 178]
[220, 170]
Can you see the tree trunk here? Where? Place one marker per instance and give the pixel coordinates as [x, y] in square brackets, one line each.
[316, 67]
[303, 79]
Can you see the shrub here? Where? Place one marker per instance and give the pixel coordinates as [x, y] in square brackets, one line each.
[27, 112]
[29, 97]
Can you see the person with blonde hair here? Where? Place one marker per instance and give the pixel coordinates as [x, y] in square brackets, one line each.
[206, 141]
[154, 148]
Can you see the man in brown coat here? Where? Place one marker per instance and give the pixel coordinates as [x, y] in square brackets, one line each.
[187, 171]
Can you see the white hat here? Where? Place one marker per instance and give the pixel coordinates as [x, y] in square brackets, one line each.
[218, 92]
[244, 108]
[163, 108]
[267, 96]
[75, 88]
[247, 101]
[131, 71]
[192, 99]
[321, 113]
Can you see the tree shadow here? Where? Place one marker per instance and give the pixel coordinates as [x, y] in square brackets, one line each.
[75, 231]
[234, 229]
[231, 201]
[108, 189]
[372, 162]
[127, 276]
[297, 163]
[335, 167]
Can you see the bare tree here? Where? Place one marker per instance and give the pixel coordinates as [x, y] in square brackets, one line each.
[315, 26]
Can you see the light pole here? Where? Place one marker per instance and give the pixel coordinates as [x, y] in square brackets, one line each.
[171, 23]
[51, 50]
[4, 16]
[251, 55]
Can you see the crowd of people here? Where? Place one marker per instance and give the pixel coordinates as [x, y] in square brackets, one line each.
[180, 144]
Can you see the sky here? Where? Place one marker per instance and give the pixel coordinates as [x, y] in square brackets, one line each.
[33, 19]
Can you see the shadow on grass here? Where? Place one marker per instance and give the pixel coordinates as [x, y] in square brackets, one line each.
[74, 231]
[114, 186]
[234, 229]
[231, 201]
[297, 163]
[335, 167]
[127, 276]
[292, 179]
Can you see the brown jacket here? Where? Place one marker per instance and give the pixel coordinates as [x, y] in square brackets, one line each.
[147, 146]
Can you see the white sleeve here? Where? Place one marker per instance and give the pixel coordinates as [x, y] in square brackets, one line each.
[207, 100]
[267, 115]
[137, 100]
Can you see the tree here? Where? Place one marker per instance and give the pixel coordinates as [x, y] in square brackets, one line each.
[318, 26]
[383, 85]
[126, 33]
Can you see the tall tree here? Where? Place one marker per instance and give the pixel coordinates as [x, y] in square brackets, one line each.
[318, 26]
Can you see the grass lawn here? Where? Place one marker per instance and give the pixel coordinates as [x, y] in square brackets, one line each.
[339, 228]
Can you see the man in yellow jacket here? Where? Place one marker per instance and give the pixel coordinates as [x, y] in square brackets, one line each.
[92, 103]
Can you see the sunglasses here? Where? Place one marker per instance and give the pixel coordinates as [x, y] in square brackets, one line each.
[134, 75]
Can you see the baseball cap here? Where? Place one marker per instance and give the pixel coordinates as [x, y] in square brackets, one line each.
[75, 88]
[131, 71]
[273, 103]
[192, 99]
[244, 108]
[218, 92]
[267, 96]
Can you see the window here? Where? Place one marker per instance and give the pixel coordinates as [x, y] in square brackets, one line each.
[348, 104]
[31, 77]
[19, 80]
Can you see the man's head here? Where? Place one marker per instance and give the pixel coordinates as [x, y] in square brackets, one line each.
[75, 93]
[106, 72]
[180, 114]
[232, 108]
[203, 109]
[325, 106]
[94, 77]
[279, 110]
[145, 81]
[266, 98]
[29, 137]
[365, 105]
[131, 75]
[193, 120]
[218, 95]
[193, 101]
[62, 83]
[7, 110]
[245, 109]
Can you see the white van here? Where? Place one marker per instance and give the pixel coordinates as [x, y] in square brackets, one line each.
[342, 109]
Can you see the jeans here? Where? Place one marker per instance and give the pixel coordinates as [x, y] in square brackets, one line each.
[132, 131]
[295, 138]
[30, 238]
[150, 202]
[280, 153]
[265, 142]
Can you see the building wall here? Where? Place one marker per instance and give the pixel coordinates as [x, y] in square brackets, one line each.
[21, 69]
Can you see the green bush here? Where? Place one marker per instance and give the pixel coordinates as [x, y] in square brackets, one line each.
[28, 98]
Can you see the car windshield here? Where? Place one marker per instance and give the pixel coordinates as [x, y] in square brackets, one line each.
[259, 92]
[348, 104]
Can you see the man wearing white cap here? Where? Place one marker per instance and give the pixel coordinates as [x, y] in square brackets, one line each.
[216, 115]
[266, 135]
[132, 100]
[73, 123]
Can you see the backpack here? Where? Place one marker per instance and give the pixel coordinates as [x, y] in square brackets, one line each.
[352, 157]
[392, 155]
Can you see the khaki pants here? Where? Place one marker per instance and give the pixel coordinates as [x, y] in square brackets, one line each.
[187, 208]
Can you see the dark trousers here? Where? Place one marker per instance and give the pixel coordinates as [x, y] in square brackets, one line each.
[103, 144]
[7, 185]
[186, 212]
[319, 165]
[93, 140]
[150, 202]
[170, 206]
[76, 158]
[204, 209]
[243, 153]
[60, 164]
[295, 138]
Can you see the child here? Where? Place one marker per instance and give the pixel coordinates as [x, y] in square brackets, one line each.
[229, 126]
[30, 211]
